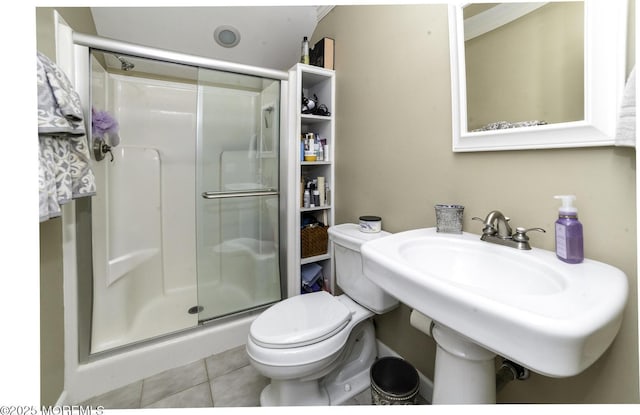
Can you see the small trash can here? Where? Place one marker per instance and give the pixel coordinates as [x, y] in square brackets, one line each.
[394, 381]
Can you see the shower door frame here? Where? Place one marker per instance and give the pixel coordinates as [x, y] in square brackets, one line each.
[218, 194]
[147, 358]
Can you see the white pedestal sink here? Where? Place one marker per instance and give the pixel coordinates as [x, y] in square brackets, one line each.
[553, 318]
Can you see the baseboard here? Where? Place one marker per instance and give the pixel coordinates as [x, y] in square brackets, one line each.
[426, 384]
[62, 399]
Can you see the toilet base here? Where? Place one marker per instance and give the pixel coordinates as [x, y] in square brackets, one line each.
[294, 393]
[353, 377]
[346, 380]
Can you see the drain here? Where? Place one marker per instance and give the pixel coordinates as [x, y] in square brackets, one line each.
[196, 309]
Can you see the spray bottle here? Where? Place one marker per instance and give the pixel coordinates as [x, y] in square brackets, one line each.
[569, 239]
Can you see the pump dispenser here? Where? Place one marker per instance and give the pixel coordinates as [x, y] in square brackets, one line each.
[569, 239]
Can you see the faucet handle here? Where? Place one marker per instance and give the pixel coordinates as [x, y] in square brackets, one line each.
[521, 233]
[488, 228]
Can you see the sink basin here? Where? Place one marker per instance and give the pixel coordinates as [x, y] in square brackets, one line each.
[528, 306]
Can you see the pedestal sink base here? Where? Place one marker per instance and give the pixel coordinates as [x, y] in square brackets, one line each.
[464, 372]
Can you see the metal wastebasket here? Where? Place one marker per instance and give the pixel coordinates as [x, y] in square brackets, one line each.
[394, 381]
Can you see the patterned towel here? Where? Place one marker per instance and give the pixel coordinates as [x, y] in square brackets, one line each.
[65, 171]
[626, 126]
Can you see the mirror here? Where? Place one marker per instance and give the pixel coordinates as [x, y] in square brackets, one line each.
[504, 45]
[504, 57]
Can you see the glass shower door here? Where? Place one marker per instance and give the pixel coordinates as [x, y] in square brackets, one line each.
[237, 193]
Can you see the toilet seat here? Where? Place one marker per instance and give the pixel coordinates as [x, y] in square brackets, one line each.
[303, 359]
[300, 321]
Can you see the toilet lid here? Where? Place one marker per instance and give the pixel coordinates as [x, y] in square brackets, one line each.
[300, 321]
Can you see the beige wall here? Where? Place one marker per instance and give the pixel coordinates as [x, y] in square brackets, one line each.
[51, 312]
[394, 159]
[51, 294]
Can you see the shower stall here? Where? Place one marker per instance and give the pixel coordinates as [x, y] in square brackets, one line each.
[185, 222]
[184, 243]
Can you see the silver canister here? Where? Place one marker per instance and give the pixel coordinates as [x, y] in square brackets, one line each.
[449, 218]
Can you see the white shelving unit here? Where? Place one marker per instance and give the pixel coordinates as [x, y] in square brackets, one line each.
[310, 80]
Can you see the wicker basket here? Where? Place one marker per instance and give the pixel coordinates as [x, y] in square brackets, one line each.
[314, 241]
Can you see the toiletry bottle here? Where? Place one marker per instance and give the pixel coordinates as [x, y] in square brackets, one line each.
[316, 197]
[321, 189]
[312, 199]
[307, 198]
[312, 143]
[569, 239]
[305, 51]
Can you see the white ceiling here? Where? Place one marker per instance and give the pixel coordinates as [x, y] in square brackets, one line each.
[270, 36]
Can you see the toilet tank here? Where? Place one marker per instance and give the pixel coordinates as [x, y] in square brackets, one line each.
[347, 239]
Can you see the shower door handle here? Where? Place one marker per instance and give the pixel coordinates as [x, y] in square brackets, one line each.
[240, 193]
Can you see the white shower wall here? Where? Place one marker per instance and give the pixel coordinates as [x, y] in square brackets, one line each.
[144, 213]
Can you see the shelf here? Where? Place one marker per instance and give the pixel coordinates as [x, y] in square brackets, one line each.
[313, 119]
[314, 75]
[315, 163]
[316, 258]
[310, 81]
[314, 209]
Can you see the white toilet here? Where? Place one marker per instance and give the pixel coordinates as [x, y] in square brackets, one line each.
[316, 348]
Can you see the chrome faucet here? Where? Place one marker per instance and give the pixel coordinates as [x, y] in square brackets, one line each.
[496, 229]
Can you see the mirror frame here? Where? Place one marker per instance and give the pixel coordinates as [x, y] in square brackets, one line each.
[604, 77]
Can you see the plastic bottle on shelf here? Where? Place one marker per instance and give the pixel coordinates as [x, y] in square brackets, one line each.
[311, 198]
[304, 57]
[316, 198]
[321, 190]
[307, 198]
[312, 141]
[310, 151]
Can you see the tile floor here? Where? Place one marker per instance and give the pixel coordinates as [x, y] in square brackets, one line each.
[223, 380]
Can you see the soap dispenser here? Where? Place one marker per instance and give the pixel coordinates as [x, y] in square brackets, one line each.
[569, 239]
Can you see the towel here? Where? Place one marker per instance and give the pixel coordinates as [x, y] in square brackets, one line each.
[64, 161]
[626, 126]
